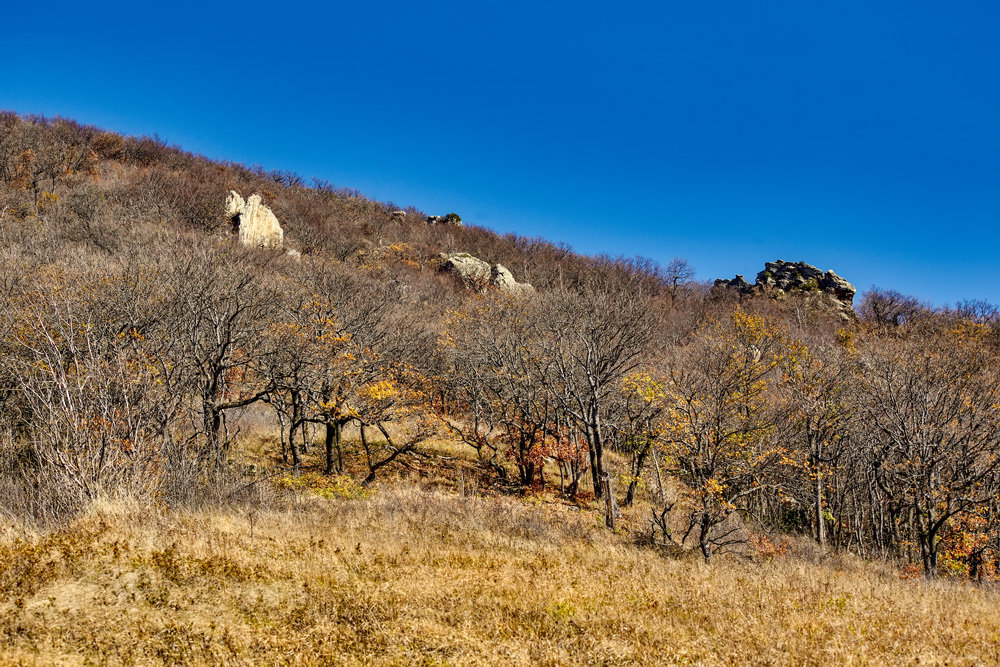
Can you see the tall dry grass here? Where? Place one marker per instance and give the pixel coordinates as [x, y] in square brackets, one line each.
[410, 575]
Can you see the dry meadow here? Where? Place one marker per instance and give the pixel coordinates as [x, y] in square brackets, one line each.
[413, 574]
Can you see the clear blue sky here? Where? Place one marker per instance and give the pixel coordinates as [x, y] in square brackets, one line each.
[856, 135]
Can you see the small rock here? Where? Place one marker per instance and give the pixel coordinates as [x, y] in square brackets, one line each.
[473, 271]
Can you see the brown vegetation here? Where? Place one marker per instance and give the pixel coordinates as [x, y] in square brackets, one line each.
[419, 576]
[140, 342]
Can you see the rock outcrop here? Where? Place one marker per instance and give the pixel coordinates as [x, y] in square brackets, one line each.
[738, 283]
[781, 278]
[473, 271]
[450, 219]
[479, 275]
[255, 223]
[503, 279]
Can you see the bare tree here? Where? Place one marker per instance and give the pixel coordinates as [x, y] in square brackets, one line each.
[816, 381]
[593, 340]
[498, 375]
[218, 307]
[721, 429]
[679, 274]
[931, 404]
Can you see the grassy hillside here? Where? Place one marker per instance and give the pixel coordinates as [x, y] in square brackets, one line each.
[411, 575]
[212, 453]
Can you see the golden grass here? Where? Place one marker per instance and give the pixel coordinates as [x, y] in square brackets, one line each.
[411, 575]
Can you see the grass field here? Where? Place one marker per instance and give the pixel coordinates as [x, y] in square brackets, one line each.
[413, 574]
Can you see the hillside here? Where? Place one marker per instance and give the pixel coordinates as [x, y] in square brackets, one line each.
[380, 435]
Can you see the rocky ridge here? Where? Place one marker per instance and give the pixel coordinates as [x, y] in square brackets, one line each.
[780, 278]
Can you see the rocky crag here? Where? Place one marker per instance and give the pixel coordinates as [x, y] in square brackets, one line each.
[781, 278]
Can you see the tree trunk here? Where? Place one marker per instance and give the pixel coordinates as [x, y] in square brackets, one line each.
[593, 467]
[637, 466]
[331, 443]
[820, 519]
[816, 455]
[610, 504]
[930, 560]
[284, 442]
[704, 539]
[296, 458]
[596, 452]
[659, 479]
[296, 424]
[527, 470]
[368, 455]
[212, 422]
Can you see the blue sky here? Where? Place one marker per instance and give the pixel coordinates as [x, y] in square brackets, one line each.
[857, 136]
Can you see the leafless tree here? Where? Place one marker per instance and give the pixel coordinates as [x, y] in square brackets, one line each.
[931, 404]
[593, 340]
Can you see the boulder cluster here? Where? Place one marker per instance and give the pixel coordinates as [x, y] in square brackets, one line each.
[479, 275]
[783, 277]
[450, 219]
[453, 219]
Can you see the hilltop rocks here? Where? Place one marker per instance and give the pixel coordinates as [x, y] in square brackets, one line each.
[839, 287]
[450, 219]
[479, 275]
[781, 278]
[255, 223]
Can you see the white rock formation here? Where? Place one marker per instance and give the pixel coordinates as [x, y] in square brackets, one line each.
[256, 223]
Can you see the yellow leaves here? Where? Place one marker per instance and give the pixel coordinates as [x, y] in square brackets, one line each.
[788, 461]
[749, 325]
[403, 253]
[756, 335]
[846, 340]
[968, 332]
[644, 386]
[381, 390]
[47, 200]
[713, 487]
[132, 334]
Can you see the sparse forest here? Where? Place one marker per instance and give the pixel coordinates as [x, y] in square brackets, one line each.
[151, 362]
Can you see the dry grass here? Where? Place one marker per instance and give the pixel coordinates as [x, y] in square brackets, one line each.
[412, 575]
